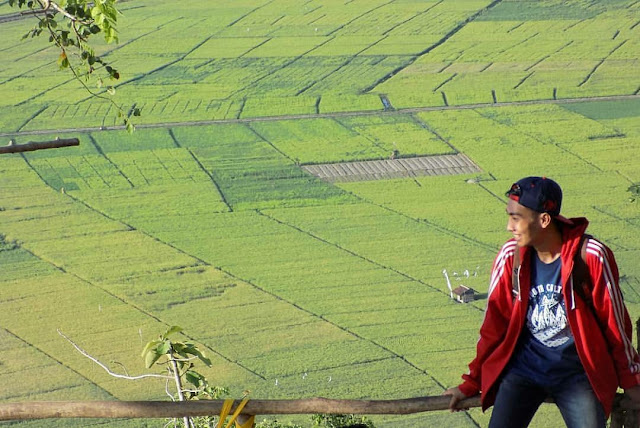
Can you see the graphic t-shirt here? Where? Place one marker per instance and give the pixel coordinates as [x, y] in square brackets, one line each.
[546, 349]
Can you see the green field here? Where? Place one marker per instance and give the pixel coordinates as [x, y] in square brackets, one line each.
[296, 287]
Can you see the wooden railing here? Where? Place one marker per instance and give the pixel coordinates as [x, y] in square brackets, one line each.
[39, 145]
[625, 415]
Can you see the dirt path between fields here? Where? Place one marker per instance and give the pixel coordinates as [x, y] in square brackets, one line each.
[325, 115]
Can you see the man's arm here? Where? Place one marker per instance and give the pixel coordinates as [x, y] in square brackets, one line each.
[613, 315]
[494, 326]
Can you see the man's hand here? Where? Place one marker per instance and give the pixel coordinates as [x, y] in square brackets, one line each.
[457, 395]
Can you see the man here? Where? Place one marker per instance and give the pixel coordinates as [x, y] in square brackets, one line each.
[545, 335]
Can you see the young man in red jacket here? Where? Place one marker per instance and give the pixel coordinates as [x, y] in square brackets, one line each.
[546, 335]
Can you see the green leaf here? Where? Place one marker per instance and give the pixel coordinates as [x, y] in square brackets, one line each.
[194, 378]
[63, 61]
[193, 350]
[164, 348]
[149, 346]
[172, 330]
[151, 359]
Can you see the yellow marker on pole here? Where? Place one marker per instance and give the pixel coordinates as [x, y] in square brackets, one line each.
[226, 408]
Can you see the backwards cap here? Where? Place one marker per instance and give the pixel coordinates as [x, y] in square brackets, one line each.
[540, 194]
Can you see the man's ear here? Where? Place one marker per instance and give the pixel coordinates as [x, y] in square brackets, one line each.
[545, 220]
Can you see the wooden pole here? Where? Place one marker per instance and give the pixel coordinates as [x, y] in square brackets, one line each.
[39, 145]
[244, 419]
[168, 409]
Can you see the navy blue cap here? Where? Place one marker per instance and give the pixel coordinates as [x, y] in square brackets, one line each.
[540, 194]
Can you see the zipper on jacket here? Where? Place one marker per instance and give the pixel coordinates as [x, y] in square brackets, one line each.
[573, 296]
[517, 289]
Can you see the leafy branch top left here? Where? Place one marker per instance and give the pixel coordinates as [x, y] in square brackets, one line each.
[70, 24]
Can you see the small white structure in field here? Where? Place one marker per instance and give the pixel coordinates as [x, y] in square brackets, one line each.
[446, 276]
[464, 294]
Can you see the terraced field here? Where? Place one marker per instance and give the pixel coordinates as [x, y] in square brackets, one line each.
[294, 285]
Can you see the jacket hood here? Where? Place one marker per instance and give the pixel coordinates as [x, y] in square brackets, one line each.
[571, 234]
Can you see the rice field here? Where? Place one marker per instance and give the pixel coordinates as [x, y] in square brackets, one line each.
[207, 217]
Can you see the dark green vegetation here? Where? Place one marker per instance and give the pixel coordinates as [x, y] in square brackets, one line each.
[296, 287]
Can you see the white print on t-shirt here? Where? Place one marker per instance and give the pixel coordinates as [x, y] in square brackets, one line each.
[547, 319]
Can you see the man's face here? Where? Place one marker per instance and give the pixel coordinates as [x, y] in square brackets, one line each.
[524, 224]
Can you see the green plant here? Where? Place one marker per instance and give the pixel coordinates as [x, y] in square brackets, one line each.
[341, 421]
[178, 359]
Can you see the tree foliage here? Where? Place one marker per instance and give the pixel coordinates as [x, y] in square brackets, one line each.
[70, 25]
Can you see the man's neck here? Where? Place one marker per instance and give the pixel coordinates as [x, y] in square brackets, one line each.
[550, 245]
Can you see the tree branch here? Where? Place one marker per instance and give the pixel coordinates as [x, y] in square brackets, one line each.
[47, 4]
[86, 354]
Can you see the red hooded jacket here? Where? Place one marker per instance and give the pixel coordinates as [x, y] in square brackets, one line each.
[602, 332]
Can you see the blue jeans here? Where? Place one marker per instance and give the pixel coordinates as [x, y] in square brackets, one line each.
[518, 400]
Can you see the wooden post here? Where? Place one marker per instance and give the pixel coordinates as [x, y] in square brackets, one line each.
[626, 418]
[243, 419]
[39, 145]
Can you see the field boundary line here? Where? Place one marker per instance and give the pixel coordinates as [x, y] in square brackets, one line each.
[534, 137]
[616, 217]
[545, 57]
[245, 88]
[138, 77]
[103, 154]
[440, 42]
[486, 189]
[273, 146]
[48, 64]
[338, 29]
[234, 22]
[46, 354]
[206, 171]
[427, 10]
[353, 253]
[342, 328]
[490, 248]
[124, 301]
[593, 71]
[523, 41]
[374, 141]
[399, 111]
[73, 78]
[33, 116]
[347, 330]
[138, 308]
[426, 126]
[337, 68]
[95, 171]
